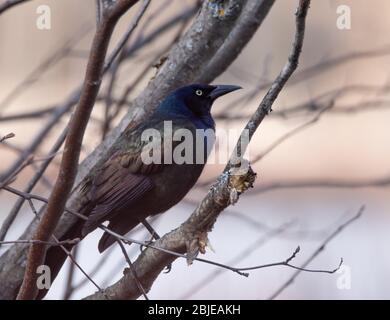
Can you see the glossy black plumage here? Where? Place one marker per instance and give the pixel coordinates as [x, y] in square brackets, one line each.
[123, 189]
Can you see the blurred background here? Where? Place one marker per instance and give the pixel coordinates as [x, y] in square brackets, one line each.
[316, 178]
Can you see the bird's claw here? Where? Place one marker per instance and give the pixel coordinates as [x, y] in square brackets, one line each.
[196, 243]
[143, 247]
[168, 268]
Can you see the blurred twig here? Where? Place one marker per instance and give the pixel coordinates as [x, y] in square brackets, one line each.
[31, 184]
[290, 134]
[62, 246]
[132, 270]
[245, 253]
[49, 62]
[191, 236]
[103, 294]
[77, 126]
[324, 183]
[7, 136]
[70, 275]
[317, 252]
[276, 86]
[115, 66]
[8, 4]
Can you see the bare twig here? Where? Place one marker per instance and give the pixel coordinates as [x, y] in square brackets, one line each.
[251, 18]
[7, 136]
[191, 236]
[278, 141]
[52, 243]
[288, 264]
[325, 183]
[98, 267]
[124, 96]
[127, 35]
[132, 270]
[68, 104]
[12, 177]
[52, 60]
[72, 147]
[265, 106]
[317, 252]
[115, 68]
[246, 252]
[70, 275]
[326, 65]
[68, 253]
[31, 184]
[8, 4]
[155, 247]
[289, 134]
[37, 140]
[205, 45]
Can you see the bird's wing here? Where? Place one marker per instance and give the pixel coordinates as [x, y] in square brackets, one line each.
[115, 187]
[121, 180]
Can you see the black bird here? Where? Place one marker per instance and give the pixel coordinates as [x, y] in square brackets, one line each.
[124, 190]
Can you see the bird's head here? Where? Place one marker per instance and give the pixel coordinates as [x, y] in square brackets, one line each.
[196, 99]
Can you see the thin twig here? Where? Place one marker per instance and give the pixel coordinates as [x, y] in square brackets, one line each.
[317, 252]
[7, 136]
[126, 240]
[289, 134]
[44, 66]
[68, 253]
[132, 270]
[52, 243]
[72, 148]
[277, 85]
[220, 196]
[70, 275]
[8, 4]
[30, 186]
[245, 253]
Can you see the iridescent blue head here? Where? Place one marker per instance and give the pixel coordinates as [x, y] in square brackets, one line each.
[194, 102]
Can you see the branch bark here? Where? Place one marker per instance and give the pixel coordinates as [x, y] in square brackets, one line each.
[191, 236]
[200, 43]
[250, 20]
[69, 162]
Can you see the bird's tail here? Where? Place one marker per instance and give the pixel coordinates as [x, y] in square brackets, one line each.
[56, 256]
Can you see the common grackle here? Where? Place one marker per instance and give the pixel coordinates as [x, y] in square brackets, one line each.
[126, 187]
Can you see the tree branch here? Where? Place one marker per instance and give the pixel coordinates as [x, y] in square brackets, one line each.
[69, 163]
[191, 236]
[318, 251]
[8, 4]
[199, 44]
[6, 137]
[249, 21]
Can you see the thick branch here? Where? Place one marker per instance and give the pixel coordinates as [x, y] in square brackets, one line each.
[191, 236]
[250, 20]
[199, 44]
[69, 162]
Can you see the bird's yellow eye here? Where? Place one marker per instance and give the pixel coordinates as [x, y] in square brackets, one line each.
[199, 92]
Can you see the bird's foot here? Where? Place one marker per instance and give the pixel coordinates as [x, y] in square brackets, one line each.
[197, 243]
[147, 243]
[168, 268]
[142, 248]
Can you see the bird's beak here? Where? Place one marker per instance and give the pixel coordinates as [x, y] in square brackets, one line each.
[221, 90]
